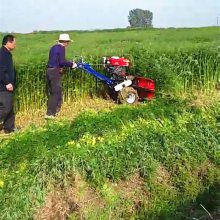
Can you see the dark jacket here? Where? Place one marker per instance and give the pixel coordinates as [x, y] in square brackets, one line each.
[57, 57]
[7, 72]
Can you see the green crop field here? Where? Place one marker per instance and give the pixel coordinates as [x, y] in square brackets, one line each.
[34, 47]
[179, 60]
[154, 160]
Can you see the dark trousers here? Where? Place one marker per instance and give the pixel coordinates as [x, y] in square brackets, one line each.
[7, 115]
[54, 91]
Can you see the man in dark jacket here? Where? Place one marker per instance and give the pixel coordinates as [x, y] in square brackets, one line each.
[7, 84]
[54, 68]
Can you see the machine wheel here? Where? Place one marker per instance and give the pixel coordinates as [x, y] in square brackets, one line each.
[128, 95]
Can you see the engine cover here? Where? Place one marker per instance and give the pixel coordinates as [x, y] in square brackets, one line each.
[117, 61]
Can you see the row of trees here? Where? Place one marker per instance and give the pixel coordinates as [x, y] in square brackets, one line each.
[140, 18]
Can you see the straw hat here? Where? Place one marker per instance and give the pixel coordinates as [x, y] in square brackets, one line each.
[64, 37]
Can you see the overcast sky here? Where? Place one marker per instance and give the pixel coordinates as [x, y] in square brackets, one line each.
[28, 15]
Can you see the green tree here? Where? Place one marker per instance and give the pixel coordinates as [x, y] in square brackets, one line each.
[140, 18]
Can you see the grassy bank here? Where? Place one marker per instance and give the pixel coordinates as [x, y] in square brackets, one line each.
[155, 160]
[165, 152]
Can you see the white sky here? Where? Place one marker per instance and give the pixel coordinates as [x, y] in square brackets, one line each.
[29, 15]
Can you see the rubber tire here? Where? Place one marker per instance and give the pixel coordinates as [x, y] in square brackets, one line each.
[124, 94]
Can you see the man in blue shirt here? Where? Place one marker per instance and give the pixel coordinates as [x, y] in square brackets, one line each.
[7, 84]
[54, 69]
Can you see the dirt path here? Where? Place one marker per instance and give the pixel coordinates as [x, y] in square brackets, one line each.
[68, 111]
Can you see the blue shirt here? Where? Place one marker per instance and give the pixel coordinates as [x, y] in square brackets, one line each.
[57, 57]
[7, 71]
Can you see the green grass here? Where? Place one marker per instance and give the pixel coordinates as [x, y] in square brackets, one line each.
[34, 46]
[178, 60]
[109, 146]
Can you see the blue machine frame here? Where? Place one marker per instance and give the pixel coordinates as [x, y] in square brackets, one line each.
[86, 67]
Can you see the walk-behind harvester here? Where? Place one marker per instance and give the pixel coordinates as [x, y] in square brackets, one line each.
[122, 87]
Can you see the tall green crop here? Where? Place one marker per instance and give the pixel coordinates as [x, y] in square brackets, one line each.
[178, 60]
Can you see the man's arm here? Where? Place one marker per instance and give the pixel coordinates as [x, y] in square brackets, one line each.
[62, 60]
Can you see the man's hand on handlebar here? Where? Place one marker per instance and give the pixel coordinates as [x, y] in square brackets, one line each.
[74, 66]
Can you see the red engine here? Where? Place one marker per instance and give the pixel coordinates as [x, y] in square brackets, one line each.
[117, 66]
[117, 61]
